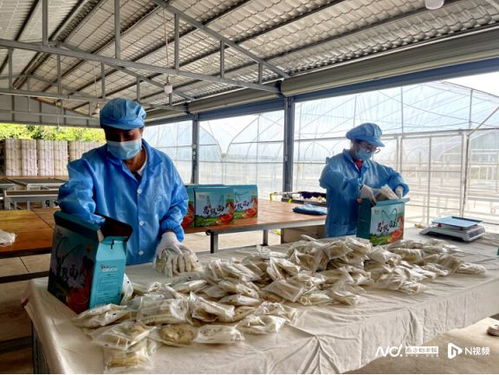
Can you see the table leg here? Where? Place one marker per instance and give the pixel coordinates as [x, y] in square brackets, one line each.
[265, 237]
[213, 242]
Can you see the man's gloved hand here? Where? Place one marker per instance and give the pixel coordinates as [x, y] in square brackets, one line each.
[173, 258]
[367, 192]
[399, 190]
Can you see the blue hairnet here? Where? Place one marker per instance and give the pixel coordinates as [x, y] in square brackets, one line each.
[368, 131]
[122, 114]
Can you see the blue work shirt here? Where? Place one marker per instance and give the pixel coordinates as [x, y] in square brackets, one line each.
[101, 183]
[342, 180]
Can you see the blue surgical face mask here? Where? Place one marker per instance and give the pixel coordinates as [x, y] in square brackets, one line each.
[363, 154]
[124, 150]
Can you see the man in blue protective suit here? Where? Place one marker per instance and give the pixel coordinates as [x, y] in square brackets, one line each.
[130, 181]
[351, 175]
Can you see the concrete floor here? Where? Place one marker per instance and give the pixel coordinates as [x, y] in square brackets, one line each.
[15, 323]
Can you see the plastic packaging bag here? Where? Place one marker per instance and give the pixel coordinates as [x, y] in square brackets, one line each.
[277, 309]
[382, 256]
[307, 280]
[269, 297]
[174, 334]
[338, 275]
[170, 263]
[220, 269]
[190, 286]
[315, 297]
[471, 268]
[246, 288]
[409, 255]
[345, 294]
[214, 291]
[274, 271]
[136, 359]
[218, 334]
[126, 290]
[386, 193]
[336, 249]
[240, 312]
[305, 261]
[286, 290]
[100, 316]
[436, 268]
[169, 311]
[121, 336]
[240, 300]
[285, 265]
[447, 261]
[7, 238]
[358, 245]
[209, 311]
[261, 325]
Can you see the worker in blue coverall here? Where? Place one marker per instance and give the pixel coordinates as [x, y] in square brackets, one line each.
[130, 181]
[351, 175]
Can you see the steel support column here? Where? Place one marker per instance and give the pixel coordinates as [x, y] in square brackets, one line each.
[117, 30]
[195, 150]
[289, 134]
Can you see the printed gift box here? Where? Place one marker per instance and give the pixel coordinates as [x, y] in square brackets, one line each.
[382, 223]
[88, 261]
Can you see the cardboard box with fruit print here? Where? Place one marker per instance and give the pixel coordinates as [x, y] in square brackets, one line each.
[87, 262]
[213, 206]
[382, 223]
[245, 201]
[188, 220]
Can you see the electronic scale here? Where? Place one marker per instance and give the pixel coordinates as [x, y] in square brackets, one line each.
[458, 227]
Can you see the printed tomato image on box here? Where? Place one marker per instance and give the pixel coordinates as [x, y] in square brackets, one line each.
[188, 220]
[245, 201]
[213, 206]
[382, 223]
[88, 261]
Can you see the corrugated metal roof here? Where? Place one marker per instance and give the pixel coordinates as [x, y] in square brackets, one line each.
[297, 36]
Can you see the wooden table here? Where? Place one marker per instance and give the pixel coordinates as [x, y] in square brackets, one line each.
[271, 215]
[33, 237]
[33, 229]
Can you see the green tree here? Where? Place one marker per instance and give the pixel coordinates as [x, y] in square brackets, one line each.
[51, 133]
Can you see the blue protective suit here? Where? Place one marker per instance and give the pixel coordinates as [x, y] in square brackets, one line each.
[342, 180]
[101, 183]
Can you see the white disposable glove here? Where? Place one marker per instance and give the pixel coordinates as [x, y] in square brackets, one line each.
[169, 241]
[367, 192]
[172, 257]
[399, 190]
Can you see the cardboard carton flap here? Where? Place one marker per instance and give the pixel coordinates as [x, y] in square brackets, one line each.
[110, 228]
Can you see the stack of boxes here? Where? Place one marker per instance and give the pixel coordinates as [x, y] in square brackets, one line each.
[10, 157]
[77, 148]
[29, 158]
[220, 204]
[60, 158]
[45, 155]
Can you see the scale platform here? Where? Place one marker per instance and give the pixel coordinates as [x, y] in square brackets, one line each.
[457, 227]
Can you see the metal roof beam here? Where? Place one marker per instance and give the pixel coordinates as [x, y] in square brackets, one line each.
[33, 64]
[124, 32]
[242, 40]
[220, 37]
[130, 64]
[41, 94]
[21, 30]
[129, 72]
[227, 11]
